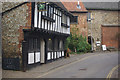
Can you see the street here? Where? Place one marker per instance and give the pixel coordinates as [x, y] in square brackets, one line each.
[90, 65]
[97, 66]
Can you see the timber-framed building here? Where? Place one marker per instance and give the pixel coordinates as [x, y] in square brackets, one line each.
[33, 36]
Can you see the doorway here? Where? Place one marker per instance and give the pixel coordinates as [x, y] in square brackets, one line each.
[42, 51]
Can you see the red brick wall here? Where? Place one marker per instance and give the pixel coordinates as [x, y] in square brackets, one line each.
[110, 36]
[82, 27]
[29, 17]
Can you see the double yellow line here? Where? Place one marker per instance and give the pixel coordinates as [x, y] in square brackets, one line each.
[111, 72]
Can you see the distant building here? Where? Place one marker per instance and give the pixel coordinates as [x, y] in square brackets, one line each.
[103, 18]
[33, 33]
[80, 20]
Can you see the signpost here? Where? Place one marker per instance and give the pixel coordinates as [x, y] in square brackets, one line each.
[104, 47]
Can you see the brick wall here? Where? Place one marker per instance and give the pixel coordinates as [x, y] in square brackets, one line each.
[13, 23]
[110, 36]
[82, 24]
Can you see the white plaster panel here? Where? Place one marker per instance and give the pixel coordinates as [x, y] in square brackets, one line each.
[30, 58]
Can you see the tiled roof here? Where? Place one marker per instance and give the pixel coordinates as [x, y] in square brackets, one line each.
[72, 6]
[62, 6]
[102, 5]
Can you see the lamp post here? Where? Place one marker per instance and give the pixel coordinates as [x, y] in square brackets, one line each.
[90, 20]
[91, 36]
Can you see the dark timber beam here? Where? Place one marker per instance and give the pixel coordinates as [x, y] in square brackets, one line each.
[33, 10]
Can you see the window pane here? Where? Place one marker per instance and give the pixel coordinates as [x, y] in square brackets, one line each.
[65, 19]
[33, 44]
[46, 12]
[74, 20]
[30, 44]
[50, 47]
[62, 18]
[61, 47]
[51, 12]
[56, 44]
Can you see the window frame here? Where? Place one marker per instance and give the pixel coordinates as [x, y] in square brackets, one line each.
[75, 21]
[50, 45]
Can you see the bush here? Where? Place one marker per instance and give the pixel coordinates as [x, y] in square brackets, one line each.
[77, 43]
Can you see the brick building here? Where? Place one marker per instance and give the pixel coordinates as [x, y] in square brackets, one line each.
[79, 22]
[104, 24]
[33, 33]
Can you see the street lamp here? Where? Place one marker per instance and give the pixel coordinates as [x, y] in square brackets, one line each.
[90, 20]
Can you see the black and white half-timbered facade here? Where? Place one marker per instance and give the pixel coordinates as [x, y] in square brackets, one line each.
[45, 41]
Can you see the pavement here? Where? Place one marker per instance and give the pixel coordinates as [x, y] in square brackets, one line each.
[45, 69]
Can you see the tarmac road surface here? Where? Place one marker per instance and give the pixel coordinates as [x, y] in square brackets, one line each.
[95, 66]
[89, 65]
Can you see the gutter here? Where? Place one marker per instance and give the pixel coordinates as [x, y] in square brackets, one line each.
[103, 9]
[79, 11]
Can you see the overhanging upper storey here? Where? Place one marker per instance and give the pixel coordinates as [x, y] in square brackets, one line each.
[50, 17]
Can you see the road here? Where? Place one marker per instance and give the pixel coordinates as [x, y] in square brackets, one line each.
[95, 66]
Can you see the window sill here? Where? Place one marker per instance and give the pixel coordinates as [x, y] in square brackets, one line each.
[48, 18]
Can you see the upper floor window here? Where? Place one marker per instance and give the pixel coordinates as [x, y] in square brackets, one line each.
[74, 20]
[64, 19]
[50, 11]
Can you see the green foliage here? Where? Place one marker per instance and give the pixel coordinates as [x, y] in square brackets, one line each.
[77, 43]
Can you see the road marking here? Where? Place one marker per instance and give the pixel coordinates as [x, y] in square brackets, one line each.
[67, 65]
[111, 72]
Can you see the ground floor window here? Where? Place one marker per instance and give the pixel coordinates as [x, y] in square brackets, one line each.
[56, 46]
[33, 44]
[50, 44]
[61, 45]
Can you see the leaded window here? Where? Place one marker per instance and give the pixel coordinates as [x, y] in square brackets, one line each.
[50, 45]
[74, 20]
[34, 44]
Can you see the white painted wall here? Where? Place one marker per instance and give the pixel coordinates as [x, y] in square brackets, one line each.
[35, 18]
[56, 25]
[48, 56]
